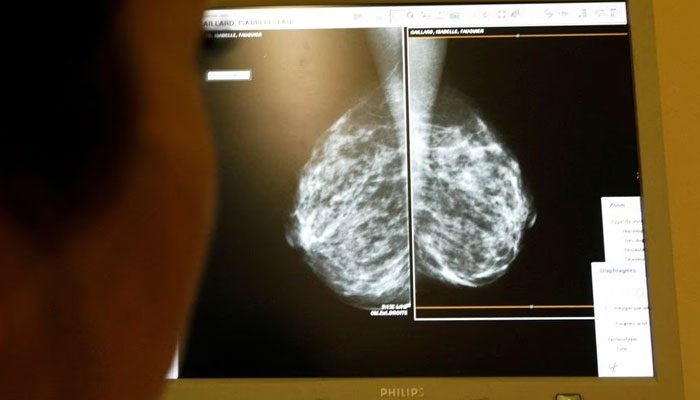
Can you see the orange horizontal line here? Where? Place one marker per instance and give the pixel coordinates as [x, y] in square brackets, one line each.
[502, 307]
[524, 35]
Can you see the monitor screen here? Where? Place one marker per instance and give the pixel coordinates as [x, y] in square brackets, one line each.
[423, 191]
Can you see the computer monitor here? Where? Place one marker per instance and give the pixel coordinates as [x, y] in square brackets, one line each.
[448, 201]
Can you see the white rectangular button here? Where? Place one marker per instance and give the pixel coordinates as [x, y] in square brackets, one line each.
[230, 75]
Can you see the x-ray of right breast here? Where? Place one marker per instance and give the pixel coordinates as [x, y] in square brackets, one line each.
[462, 204]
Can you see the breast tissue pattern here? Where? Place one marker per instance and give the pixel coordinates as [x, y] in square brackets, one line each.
[351, 214]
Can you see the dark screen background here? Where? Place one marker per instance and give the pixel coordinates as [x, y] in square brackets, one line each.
[564, 108]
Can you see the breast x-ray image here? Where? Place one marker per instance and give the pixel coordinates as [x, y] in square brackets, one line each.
[373, 186]
[469, 207]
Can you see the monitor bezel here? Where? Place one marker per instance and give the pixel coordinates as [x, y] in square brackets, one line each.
[668, 380]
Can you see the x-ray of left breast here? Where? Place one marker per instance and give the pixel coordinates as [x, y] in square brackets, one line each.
[350, 216]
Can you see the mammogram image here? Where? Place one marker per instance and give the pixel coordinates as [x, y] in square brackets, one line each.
[359, 207]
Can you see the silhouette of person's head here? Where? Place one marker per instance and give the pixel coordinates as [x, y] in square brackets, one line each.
[106, 195]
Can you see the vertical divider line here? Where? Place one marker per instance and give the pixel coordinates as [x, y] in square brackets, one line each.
[411, 241]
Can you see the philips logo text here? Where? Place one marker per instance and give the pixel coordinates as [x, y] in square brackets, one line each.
[401, 393]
